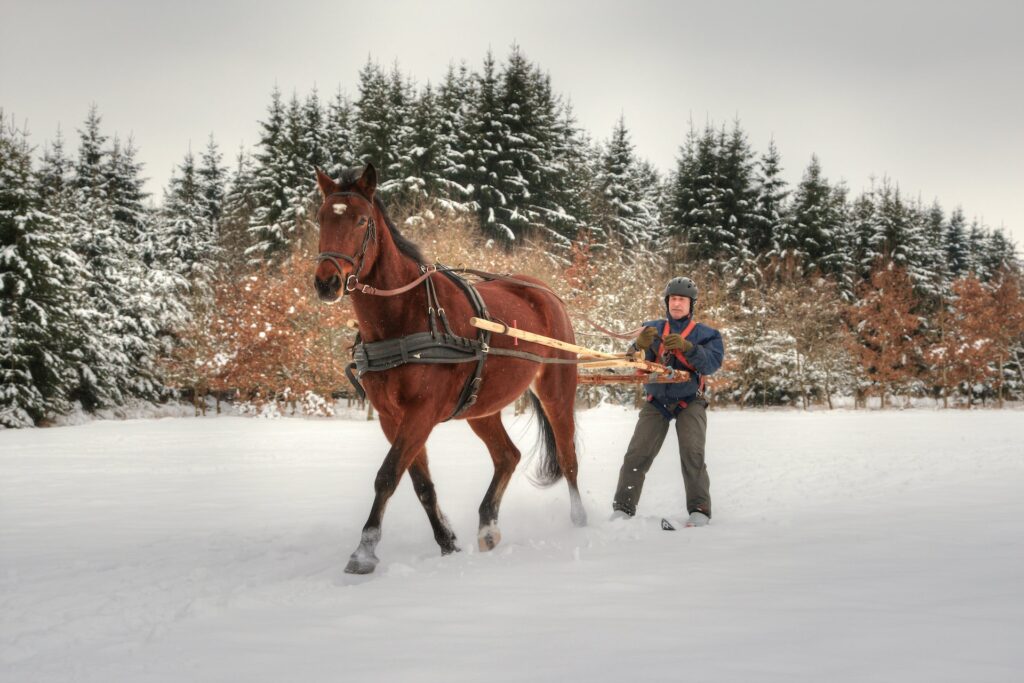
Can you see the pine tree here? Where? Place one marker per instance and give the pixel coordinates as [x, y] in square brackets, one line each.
[739, 197]
[211, 178]
[863, 220]
[426, 146]
[339, 134]
[630, 213]
[272, 223]
[976, 248]
[770, 205]
[486, 156]
[383, 125]
[38, 278]
[694, 201]
[189, 239]
[240, 205]
[957, 250]
[816, 220]
[124, 183]
[520, 152]
[573, 197]
[455, 99]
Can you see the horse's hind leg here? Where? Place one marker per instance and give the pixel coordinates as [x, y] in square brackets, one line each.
[555, 386]
[505, 456]
[419, 472]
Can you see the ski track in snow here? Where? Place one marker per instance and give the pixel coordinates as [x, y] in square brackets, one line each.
[845, 546]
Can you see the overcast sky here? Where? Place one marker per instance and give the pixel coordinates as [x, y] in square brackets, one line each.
[928, 93]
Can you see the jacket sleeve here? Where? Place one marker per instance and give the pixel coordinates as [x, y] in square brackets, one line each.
[707, 355]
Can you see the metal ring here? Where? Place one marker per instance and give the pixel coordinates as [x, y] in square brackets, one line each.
[349, 287]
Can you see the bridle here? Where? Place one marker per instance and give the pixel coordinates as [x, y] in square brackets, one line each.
[359, 260]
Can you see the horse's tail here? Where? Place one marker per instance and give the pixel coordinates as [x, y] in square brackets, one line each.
[544, 470]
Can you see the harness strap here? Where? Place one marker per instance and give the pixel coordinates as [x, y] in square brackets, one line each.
[678, 355]
[471, 390]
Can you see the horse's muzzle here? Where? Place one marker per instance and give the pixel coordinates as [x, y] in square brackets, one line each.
[329, 290]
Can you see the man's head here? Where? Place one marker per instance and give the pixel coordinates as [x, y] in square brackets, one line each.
[680, 296]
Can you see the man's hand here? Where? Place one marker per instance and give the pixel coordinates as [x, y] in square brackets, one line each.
[646, 338]
[675, 341]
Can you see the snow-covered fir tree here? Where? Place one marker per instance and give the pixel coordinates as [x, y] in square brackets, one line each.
[211, 177]
[486, 155]
[188, 231]
[39, 279]
[739, 195]
[272, 225]
[957, 248]
[770, 205]
[426, 161]
[573, 196]
[629, 215]
[695, 197]
[816, 224]
[455, 97]
[339, 134]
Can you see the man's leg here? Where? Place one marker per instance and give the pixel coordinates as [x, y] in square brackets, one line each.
[651, 428]
[691, 428]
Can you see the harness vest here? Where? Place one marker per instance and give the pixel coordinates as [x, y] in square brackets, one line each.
[678, 355]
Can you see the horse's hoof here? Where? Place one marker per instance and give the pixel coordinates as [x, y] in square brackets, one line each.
[489, 538]
[359, 564]
[579, 517]
[450, 548]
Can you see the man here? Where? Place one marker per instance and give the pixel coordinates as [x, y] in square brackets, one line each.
[682, 343]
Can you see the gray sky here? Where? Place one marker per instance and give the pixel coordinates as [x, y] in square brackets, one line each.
[928, 93]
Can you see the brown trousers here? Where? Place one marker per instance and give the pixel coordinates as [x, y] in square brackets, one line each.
[691, 430]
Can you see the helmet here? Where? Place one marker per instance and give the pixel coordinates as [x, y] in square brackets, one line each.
[681, 286]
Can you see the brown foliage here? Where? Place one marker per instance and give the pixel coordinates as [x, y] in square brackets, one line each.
[886, 332]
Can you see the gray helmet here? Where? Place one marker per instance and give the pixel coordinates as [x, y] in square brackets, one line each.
[681, 286]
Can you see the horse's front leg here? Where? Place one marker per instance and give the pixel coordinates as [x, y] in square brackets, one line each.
[419, 471]
[403, 451]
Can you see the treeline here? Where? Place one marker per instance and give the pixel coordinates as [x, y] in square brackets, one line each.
[105, 297]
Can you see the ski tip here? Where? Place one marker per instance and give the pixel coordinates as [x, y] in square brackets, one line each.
[667, 525]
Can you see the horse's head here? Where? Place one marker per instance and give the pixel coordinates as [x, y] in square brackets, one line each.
[348, 229]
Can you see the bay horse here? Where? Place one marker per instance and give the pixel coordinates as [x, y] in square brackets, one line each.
[364, 255]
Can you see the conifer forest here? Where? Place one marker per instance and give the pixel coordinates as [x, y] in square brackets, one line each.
[824, 295]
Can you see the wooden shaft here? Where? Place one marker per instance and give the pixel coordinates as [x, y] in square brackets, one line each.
[611, 378]
[541, 339]
[638, 364]
[590, 358]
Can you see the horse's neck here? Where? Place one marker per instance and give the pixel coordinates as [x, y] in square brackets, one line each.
[385, 317]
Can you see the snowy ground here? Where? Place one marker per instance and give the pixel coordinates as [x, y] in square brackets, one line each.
[846, 546]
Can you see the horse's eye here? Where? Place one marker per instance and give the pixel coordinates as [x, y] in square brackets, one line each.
[362, 221]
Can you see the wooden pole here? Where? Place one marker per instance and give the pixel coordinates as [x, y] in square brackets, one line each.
[651, 378]
[541, 339]
[589, 358]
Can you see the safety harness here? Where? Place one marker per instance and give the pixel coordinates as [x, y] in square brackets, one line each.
[678, 354]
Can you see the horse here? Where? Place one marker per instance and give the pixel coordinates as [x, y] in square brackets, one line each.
[394, 294]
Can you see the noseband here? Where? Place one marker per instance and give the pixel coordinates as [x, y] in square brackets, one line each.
[357, 261]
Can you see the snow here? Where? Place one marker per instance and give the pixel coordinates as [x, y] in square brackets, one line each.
[845, 546]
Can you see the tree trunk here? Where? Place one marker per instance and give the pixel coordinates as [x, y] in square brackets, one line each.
[999, 384]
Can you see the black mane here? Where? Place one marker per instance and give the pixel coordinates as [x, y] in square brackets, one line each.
[347, 181]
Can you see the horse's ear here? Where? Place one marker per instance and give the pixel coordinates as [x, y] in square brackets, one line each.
[367, 182]
[324, 182]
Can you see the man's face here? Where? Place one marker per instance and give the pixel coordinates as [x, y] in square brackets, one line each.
[678, 306]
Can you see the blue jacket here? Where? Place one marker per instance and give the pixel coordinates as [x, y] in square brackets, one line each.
[706, 355]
